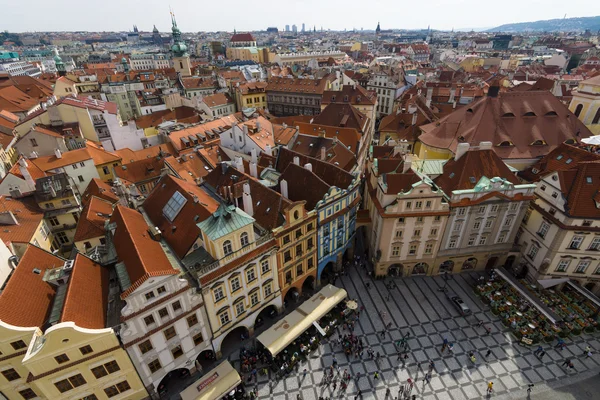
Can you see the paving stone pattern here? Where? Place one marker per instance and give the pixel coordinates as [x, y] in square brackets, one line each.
[417, 307]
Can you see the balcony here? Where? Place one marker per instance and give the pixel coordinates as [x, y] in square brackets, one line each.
[62, 227]
[98, 121]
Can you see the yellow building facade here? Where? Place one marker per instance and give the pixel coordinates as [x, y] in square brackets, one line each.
[586, 104]
[259, 55]
[72, 362]
[13, 345]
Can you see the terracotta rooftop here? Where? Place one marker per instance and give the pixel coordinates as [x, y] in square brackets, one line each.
[300, 178]
[88, 103]
[127, 155]
[141, 171]
[158, 117]
[355, 95]
[143, 256]
[252, 87]
[47, 163]
[33, 169]
[28, 216]
[201, 132]
[563, 158]
[343, 116]
[336, 152]
[198, 83]
[466, 172]
[182, 232]
[401, 125]
[242, 37]
[13, 100]
[93, 216]
[86, 300]
[26, 299]
[300, 85]
[101, 156]
[217, 100]
[519, 124]
[580, 187]
[350, 137]
[98, 188]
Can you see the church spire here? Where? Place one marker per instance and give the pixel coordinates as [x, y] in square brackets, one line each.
[378, 30]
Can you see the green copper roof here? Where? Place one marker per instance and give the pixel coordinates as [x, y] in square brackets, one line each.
[227, 219]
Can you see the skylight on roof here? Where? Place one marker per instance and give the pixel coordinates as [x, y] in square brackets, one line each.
[560, 157]
[472, 179]
[174, 206]
[569, 161]
[588, 179]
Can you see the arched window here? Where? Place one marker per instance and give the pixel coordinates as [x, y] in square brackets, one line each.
[596, 117]
[227, 249]
[578, 109]
[244, 239]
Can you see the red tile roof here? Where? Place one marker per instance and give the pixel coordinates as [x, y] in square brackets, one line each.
[33, 169]
[199, 206]
[143, 256]
[128, 156]
[217, 100]
[98, 188]
[88, 103]
[356, 95]
[300, 85]
[26, 299]
[242, 37]
[466, 172]
[86, 300]
[93, 216]
[28, 215]
[141, 171]
[47, 163]
[563, 158]
[520, 118]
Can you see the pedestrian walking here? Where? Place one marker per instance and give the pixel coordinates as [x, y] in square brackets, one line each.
[589, 354]
[304, 373]
[376, 375]
[488, 353]
[431, 365]
[530, 388]
[451, 348]
[566, 363]
[444, 344]
[490, 387]
[480, 324]
[359, 394]
[587, 350]
[538, 350]
[542, 354]
[357, 377]
[334, 386]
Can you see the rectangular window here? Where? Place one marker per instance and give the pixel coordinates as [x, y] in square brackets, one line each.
[507, 221]
[63, 386]
[477, 225]
[433, 232]
[533, 250]
[428, 248]
[576, 242]
[471, 241]
[74, 166]
[408, 205]
[169, 333]
[11, 375]
[235, 284]
[452, 244]
[461, 211]
[481, 210]
[298, 250]
[176, 306]
[268, 290]
[428, 204]
[198, 339]
[149, 295]
[105, 170]
[87, 349]
[154, 365]
[418, 204]
[417, 232]
[254, 298]
[239, 308]
[218, 293]
[18, 345]
[582, 266]
[177, 352]
[33, 142]
[145, 346]
[412, 250]
[310, 263]
[398, 234]
[119, 388]
[420, 220]
[544, 227]
[489, 222]
[27, 394]
[163, 313]
[482, 240]
[264, 265]
[395, 251]
[595, 245]
[563, 265]
[401, 220]
[224, 317]
[149, 320]
[192, 320]
[61, 358]
[161, 290]
[502, 237]
[250, 275]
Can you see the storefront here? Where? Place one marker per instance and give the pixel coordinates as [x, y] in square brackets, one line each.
[220, 383]
[280, 335]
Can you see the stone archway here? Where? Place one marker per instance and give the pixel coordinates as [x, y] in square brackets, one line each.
[266, 315]
[327, 275]
[291, 297]
[510, 260]
[172, 380]
[308, 286]
[589, 286]
[206, 359]
[232, 340]
[446, 267]
[491, 263]
[470, 263]
[420, 269]
[395, 270]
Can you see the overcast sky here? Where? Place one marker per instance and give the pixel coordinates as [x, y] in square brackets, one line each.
[225, 15]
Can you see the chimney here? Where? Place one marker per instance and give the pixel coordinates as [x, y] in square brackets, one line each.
[297, 160]
[452, 94]
[454, 104]
[257, 126]
[8, 218]
[407, 164]
[247, 199]
[239, 163]
[429, 93]
[461, 149]
[268, 150]
[253, 170]
[23, 162]
[494, 88]
[308, 166]
[414, 119]
[284, 188]
[57, 153]
[323, 153]
[253, 155]
[245, 129]
[485, 146]
[25, 172]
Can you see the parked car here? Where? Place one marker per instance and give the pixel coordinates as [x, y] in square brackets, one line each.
[458, 303]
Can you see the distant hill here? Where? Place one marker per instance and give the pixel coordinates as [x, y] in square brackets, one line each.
[552, 25]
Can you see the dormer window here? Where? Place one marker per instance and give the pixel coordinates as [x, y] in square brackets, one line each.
[470, 111]
[529, 114]
[227, 249]
[508, 115]
[535, 170]
[551, 114]
[506, 143]
[538, 143]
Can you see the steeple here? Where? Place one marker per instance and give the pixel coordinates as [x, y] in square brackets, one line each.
[60, 66]
[155, 30]
[181, 58]
[378, 30]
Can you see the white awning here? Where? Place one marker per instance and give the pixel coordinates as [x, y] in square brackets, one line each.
[213, 385]
[285, 331]
[548, 283]
[591, 140]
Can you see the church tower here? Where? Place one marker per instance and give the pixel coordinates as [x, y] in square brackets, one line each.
[181, 58]
[61, 69]
[378, 30]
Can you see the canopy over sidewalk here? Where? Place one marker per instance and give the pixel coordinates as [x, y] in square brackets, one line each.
[280, 335]
[548, 283]
[214, 385]
[588, 295]
[541, 307]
